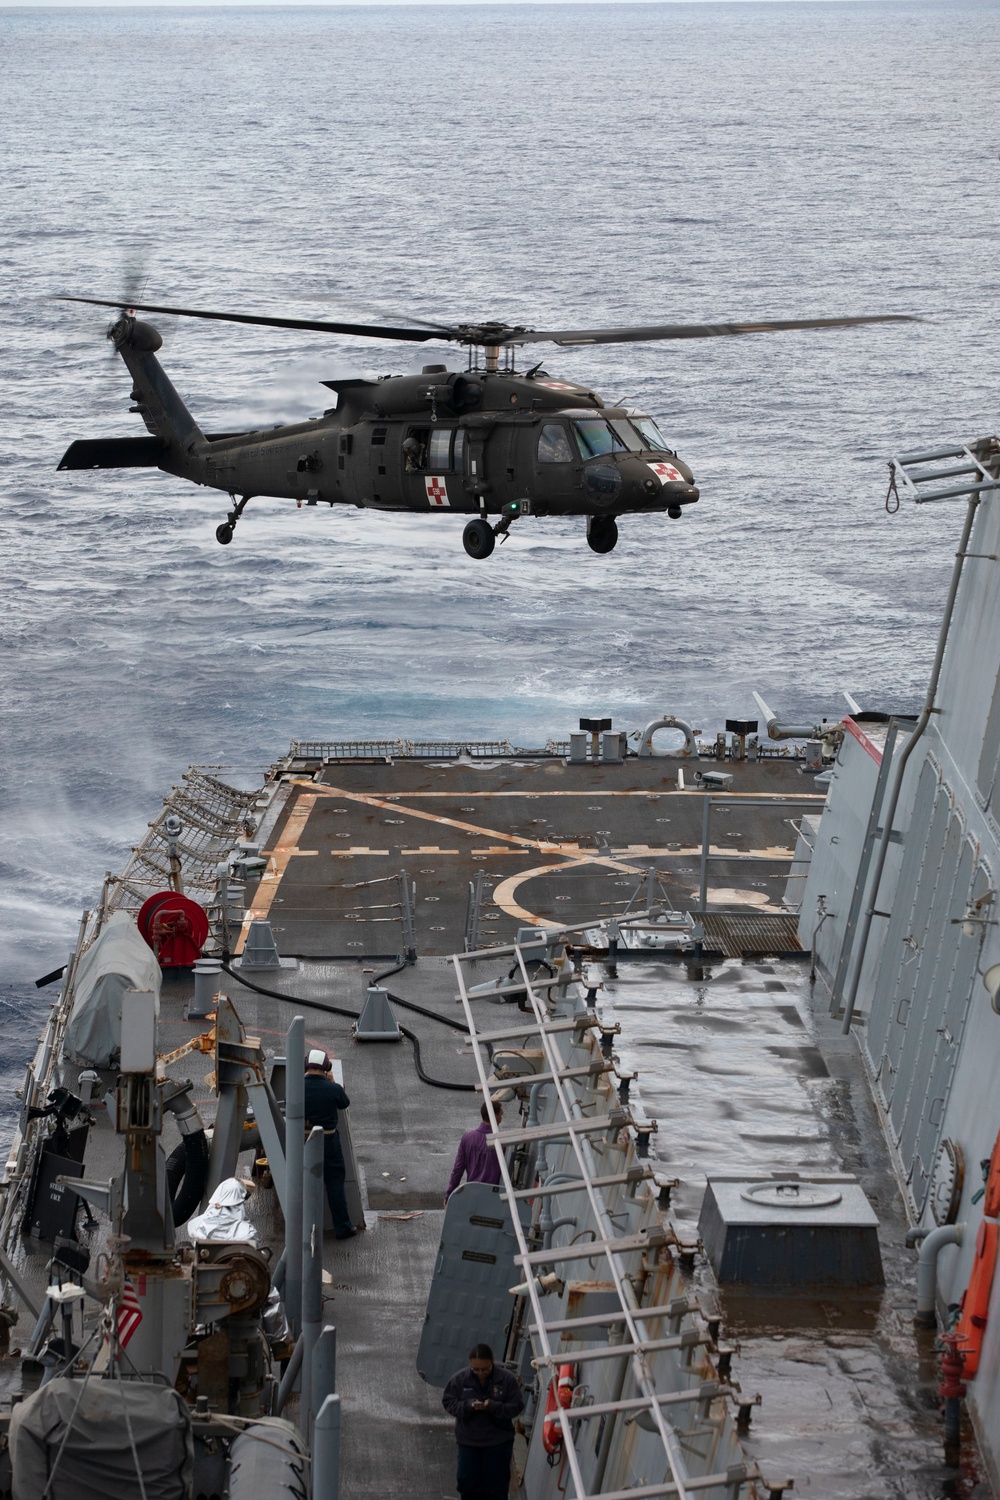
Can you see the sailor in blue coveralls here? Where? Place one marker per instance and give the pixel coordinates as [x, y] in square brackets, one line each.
[484, 1399]
[323, 1098]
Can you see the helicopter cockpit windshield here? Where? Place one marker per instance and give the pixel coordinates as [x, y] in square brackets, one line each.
[595, 436]
[598, 435]
[652, 437]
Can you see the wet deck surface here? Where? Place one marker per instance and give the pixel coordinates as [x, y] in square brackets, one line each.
[554, 843]
[745, 1075]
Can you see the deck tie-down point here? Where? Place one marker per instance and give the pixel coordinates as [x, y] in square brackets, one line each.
[377, 1021]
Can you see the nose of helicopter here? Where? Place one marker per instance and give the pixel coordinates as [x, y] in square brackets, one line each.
[665, 482]
[631, 482]
[665, 494]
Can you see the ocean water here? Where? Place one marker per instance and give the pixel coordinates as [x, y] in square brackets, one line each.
[552, 165]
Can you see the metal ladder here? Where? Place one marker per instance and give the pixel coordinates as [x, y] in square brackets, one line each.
[974, 466]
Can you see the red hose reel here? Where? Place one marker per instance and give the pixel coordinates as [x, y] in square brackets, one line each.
[175, 927]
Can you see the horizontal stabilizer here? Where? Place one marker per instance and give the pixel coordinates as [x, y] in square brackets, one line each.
[114, 453]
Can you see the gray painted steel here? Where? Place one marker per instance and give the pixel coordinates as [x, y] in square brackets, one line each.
[820, 1232]
[377, 1022]
[469, 1300]
[326, 1451]
[295, 1114]
[930, 1035]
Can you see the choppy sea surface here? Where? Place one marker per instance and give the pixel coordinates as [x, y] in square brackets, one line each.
[549, 165]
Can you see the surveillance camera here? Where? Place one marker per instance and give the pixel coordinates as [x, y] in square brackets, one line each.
[173, 826]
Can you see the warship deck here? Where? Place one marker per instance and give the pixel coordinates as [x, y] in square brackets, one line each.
[734, 1062]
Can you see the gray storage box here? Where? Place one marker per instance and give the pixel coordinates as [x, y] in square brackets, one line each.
[784, 1231]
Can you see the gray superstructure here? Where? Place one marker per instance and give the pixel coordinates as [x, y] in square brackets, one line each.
[902, 898]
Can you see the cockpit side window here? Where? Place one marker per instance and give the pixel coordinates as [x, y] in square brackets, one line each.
[652, 437]
[554, 445]
[596, 437]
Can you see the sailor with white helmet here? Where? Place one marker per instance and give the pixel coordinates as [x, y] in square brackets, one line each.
[323, 1100]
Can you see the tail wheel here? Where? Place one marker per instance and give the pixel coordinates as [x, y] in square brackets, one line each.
[478, 539]
[602, 534]
[224, 534]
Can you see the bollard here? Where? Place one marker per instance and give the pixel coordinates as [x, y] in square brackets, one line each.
[326, 1451]
[295, 1049]
[312, 1271]
[207, 979]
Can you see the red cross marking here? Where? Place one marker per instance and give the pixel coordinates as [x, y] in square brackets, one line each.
[665, 472]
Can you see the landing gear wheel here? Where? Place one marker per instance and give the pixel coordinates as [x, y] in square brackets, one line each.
[602, 535]
[224, 534]
[478, 539]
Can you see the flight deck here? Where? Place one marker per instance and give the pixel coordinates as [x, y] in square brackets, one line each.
[542, 840]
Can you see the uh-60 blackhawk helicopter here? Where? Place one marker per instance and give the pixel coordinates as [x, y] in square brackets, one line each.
[491, 441]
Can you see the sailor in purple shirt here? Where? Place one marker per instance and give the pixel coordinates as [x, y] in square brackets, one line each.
[476, 1160]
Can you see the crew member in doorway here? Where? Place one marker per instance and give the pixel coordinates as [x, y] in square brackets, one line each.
[323, 1099]
[413, 454]
[484, 1399]
[475, 1159]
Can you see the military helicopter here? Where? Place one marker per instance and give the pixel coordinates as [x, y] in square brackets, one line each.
[489, 441]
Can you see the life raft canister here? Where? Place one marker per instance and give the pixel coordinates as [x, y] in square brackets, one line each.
[560, 1394]
[991, 1202]
[976, 1301]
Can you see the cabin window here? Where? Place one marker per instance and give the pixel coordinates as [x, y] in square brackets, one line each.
[444, 448]
[414, 449]
[379, 436]
[595, 438]
[554, 446]
[651, 435]
[439, 449]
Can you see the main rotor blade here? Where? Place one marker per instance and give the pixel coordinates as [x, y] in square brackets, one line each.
[373, 309]
[360, 330]
[693, 330]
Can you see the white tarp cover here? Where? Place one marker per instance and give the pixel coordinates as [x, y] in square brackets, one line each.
[225, 1217]
[118, 960]
[97, 1460]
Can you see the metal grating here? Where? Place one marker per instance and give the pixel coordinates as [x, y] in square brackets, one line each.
[747, 935]
[334, 750]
